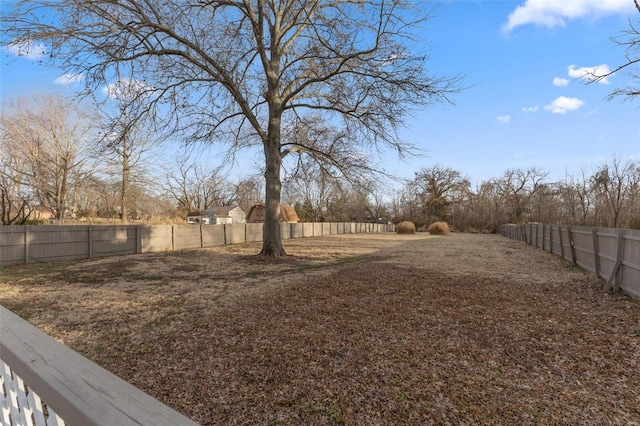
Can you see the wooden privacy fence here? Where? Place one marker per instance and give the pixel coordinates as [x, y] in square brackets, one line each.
[25, 244]
[612, 254]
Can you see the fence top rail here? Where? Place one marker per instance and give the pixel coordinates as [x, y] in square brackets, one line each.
[579, 231]
[606, 234]
[78, 390]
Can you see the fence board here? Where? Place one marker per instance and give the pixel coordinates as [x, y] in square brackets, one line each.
[235, 233]
[12, 241]
[112, 240]
[297, 230]
[154, 238]
[630, 274]
[607, 244]
[213, 235]
[253, 232]
[186, 237]
[56, 242]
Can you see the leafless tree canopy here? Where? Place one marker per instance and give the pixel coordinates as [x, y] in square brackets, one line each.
[44, 145]
[237, 70]
[629, 39]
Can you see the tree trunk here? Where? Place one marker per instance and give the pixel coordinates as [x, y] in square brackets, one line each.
[271, 236]
[124, 194]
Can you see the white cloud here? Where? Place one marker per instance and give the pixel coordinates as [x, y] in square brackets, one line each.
[590, 73]
[126, 87]
[560, 82]
[27, 49]
[504, 119]
[556, 13]
[69, 79]
[530, 109]
[562, 105]
[531, 153]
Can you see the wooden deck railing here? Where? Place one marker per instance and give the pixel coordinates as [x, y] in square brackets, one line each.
[45, 383]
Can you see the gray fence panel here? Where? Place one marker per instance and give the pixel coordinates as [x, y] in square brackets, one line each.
[583, 246]
[556, 248]
[154, 238]
[308, 229]
[213, 235]
[236, 233]
[285, 231]
[607, 248]
[317, 229]
[566, 245]
[253, 232]
[12, 243]
[186, 237]
[112, 240]
[59, 242]
[297, 230]
[631, 263]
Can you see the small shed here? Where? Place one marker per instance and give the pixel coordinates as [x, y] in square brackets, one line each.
[224, 214]
[287, 214]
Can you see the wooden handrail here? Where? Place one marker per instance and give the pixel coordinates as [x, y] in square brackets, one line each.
[80, 391]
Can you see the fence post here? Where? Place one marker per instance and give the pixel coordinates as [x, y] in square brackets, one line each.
[561, 242]
[26, 244]
[138, 242]
[617, 270]
[571, 245]
[596, 251]
[173, 239]
[201, 241]
[90, 237]
[551, 239]
[613, 282]
[543, 235]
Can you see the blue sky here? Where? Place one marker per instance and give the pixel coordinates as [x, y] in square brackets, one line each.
[524, 107]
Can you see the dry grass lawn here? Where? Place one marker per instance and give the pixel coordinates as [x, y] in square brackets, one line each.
[350, 329]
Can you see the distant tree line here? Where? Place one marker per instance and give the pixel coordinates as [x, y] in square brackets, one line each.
[608, 196]
[61, 160]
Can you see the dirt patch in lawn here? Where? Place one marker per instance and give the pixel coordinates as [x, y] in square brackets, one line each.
[350, 329]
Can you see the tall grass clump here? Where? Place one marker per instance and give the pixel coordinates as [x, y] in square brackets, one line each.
[406, 227]
[439, 228]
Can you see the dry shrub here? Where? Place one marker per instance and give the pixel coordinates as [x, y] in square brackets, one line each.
[439, 228]
[406, 227]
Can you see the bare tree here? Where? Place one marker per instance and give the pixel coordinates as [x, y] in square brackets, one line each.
[616, 182]
[517, 187]
[127, 144]
[437, 186]
[238, 70]
[311, 186]
[194, 188]
[48, 138]
[16, 203]
[249, 191]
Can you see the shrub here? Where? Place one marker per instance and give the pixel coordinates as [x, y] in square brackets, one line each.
[439, 228]
[406, 227]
